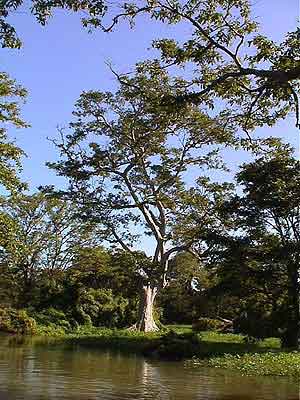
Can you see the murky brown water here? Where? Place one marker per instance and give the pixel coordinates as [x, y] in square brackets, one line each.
[45, 372]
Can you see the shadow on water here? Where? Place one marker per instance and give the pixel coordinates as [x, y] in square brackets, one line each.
[33, 370]
[138, 344]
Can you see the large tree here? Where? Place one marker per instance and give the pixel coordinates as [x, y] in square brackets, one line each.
[128, 163]
[269, 213]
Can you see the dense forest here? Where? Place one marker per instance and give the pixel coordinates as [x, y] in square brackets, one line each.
[138, 163]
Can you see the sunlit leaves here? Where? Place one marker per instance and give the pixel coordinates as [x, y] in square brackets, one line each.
[11, 95]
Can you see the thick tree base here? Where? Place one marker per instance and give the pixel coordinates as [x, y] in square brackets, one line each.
[146, 322]
[137, 328]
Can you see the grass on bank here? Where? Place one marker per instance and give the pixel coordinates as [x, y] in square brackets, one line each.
[263, 364]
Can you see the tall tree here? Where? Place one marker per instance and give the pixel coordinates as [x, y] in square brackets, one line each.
[127, 158]
[270, 207]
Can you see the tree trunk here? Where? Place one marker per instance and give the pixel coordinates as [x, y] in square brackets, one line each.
[146, 322]
[291, 337]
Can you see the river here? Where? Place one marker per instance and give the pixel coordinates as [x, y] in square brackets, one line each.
[38, 370]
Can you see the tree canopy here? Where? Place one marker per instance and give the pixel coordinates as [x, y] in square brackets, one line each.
[254, 80]
[254, 77]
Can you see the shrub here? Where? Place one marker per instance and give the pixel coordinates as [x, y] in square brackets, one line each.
[53, 319]
[50, 330]
[207, 324]
[100, 307]
[16, 321]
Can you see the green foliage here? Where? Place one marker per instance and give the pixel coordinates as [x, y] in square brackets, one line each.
[11, 94]
[207, 324]
[101, 287]
[181, 301]
[258, 267]
[52, 319]
[50, 331]
[43, 235]
[100, 307]
[256, 79]
[96, 267]
[260, 321]
[16, 321]
[269, 213]
[155, 134]
[278, 364]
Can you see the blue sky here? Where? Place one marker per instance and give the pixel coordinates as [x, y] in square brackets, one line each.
[60, 60]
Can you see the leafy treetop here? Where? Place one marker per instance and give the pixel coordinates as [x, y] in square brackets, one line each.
[127, 160]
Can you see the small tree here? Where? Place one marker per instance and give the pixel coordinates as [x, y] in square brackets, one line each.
[128, 163]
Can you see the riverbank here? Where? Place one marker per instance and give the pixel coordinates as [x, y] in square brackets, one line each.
[210, 349]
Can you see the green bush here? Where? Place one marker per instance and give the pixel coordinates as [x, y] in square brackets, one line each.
[53, 319]
[100, 307]
[50, 330]
[16, 321]
[207, 324]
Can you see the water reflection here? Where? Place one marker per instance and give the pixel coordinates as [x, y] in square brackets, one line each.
[45, 372]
